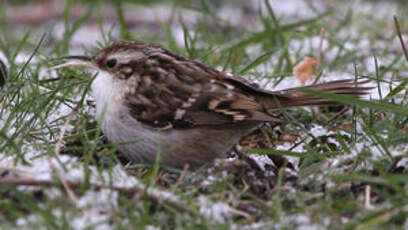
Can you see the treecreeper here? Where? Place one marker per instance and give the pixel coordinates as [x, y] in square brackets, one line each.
[153, 102]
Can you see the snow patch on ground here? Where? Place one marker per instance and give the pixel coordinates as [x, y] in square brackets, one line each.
[261, 160]
[218, 212]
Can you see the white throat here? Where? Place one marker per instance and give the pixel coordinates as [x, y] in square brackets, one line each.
[106, 94]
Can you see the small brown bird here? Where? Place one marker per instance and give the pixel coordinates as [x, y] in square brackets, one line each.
[3, 73]
[152, 103]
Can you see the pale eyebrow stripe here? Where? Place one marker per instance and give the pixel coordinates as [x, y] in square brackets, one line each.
[125, 57]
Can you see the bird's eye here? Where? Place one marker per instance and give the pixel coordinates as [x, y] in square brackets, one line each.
[111, 62]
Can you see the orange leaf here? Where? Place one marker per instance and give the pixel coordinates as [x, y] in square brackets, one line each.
[304, 70]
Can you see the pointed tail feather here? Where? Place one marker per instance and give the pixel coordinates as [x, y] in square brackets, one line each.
[296, 97]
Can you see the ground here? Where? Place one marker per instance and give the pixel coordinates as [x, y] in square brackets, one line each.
[338, 167]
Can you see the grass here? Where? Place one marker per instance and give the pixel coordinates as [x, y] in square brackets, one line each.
[320, 180]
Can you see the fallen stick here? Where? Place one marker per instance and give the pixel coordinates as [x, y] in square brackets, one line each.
[154, 195]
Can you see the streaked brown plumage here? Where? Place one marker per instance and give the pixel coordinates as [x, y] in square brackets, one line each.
[147, 94]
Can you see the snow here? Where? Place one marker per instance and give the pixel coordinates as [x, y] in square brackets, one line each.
[261, 160]
[151, 227]
[218, 212]
[99, 207]
[294, 8]
[294, 221]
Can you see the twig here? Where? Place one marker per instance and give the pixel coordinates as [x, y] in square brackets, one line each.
[16, 170]
[354, 107]
[57, 151]
[181, 178]
[50, 80]
[367, 196]
[339, 114]
[400, 37]
[319, 52]
[65, 127]
[240, 213]
[40, 87]
[153, 195]
[297, 144]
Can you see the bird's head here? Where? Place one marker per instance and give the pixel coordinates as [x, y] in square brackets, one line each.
[121, 59]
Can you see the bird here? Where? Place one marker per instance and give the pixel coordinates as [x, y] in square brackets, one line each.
[157, 105]
[3, 73]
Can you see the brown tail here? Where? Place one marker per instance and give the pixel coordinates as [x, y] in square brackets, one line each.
[296, 97]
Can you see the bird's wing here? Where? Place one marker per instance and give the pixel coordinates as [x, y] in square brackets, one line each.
[177, 92]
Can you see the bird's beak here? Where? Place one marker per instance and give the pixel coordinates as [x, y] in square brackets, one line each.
[75, 60]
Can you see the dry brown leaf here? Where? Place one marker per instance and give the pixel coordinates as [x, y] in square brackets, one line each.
[304, 70]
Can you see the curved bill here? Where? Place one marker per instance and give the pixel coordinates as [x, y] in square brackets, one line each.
[75, 60]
